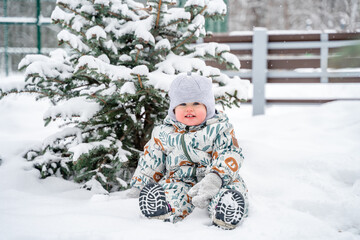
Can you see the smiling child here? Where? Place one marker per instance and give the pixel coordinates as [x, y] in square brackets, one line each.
[192, 160]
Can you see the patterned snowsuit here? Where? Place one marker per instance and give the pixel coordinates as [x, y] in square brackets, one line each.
[178, 156]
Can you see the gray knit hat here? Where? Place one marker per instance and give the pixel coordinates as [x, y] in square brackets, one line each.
[192, 88]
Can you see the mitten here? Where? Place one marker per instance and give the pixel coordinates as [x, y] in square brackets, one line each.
[204, 190]
[133, 193]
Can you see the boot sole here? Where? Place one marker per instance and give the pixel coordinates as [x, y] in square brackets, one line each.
[152, 202]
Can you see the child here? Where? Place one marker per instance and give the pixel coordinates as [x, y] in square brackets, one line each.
[192, 160]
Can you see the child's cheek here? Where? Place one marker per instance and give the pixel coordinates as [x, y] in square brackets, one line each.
[179, 114]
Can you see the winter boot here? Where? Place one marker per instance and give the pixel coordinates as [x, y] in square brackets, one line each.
[152, 202]
[230, 210]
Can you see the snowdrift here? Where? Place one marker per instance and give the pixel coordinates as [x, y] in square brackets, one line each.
[302, 168]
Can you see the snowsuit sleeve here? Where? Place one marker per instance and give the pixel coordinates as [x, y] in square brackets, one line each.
[227, 156]
[151, 165]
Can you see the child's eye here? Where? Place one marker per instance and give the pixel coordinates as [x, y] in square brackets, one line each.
[182, 104]
[196, 103]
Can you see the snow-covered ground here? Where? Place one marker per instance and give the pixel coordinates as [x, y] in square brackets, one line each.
[302, 168]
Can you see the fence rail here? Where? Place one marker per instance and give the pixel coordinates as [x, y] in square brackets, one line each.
[267, 57]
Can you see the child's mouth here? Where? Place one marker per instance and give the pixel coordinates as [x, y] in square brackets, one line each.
[190, 116]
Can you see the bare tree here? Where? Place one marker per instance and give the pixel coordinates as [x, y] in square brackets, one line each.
[340, 15]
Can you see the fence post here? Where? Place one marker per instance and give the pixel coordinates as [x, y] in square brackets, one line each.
[259, 70]
[324, 52]
[6, 42]
[38, 25]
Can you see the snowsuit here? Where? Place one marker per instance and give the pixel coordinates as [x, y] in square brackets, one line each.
[178, 156]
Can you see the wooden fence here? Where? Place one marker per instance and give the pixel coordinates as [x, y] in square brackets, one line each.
[292, 57]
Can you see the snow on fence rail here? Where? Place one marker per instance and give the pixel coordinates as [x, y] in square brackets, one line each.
[291, 57]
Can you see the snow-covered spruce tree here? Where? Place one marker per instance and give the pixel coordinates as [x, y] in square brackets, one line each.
[110, 89]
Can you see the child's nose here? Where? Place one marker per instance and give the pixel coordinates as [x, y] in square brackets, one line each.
[189, 108]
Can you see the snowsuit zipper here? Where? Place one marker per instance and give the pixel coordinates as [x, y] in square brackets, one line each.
[186, 152]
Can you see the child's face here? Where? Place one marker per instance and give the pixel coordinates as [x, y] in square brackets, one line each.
[190, 114]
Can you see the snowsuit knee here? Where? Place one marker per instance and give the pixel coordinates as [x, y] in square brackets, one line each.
[178, 156]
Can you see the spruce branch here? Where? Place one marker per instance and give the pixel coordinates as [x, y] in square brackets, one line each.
[184, 41]
[137, 55]
[148, 9]
[69, 26]
[23, 91]
[139, 79]
[158, 14]
[72, 10]
[94, 96]
[88, 78]
[55, 80]
[86, 85]
[202, 10]
[68, 43]
[119, 16]
[194, 15]
[126, 133]
[174, 23]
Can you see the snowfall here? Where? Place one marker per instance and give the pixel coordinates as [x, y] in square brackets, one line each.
[302, 168]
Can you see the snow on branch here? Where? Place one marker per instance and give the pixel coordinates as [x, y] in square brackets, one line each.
[231, 59]
[67, 132]
[122, 10]
[72, 3]
[196, 3]
[73, 40]
[176, 15]
[215, 7]
[197, 23]
[96, 32]
[113, 72]
[112, 25]
[212, 7]
[80, 107]
[135, 6]
[85, 148]
[163, 44]
[141, 29]
[111, 46]
[59, 15]
[102, 2]
[233, 86]
[174, 64]
[47, 158]
[95, 186]
[215, 50]
[55, 66]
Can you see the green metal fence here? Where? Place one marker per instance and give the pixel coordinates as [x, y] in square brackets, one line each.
[38, 21]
